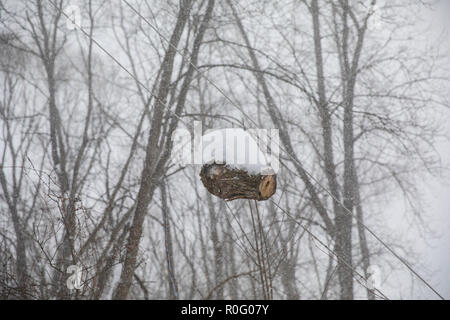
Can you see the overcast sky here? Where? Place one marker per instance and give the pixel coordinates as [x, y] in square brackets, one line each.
[434, 248]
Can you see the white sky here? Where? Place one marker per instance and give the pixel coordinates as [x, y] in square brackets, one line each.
[434, 246]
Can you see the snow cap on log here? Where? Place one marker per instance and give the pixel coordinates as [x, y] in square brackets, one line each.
[234, 167]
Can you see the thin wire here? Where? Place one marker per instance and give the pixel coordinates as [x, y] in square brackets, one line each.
[382, 295]
[330, 251]
[116, 61]
[251, 120]
[346, 210]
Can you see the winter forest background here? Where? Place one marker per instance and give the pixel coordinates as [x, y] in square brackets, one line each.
[359, 91]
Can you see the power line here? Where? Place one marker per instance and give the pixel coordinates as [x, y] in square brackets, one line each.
[346, 210]
[115, 60]
[329, 252]
[382, 295]
[251, 120]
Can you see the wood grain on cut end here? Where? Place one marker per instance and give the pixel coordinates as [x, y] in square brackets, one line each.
[230, 184]
[268, 186]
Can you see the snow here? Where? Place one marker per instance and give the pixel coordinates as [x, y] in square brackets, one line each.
[237, 148]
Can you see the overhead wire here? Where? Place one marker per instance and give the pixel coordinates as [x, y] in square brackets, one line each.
[346, 210]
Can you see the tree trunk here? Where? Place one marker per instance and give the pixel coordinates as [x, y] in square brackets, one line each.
[217, 246]
[173, 287]
[148, 184]
[155, 160]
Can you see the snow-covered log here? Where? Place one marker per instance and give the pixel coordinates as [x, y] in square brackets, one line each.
[235, 167]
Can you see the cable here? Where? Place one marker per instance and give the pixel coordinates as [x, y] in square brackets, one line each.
[330, 251]
[382, 295]
[346, 210]
[251, 120]
[116, 61]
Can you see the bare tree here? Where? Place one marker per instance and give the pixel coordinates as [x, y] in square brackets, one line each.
[87, 116]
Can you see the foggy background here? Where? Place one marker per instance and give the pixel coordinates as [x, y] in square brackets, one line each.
[88, 178]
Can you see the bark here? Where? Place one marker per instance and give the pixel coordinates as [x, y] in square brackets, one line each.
[233, 284]
[148, 179]
[48, 51]
[277, 121]
[324, 112]
[364, 248]
[11, 195]
[288, 258]
[173, 286]
[343, 218]
[231, 184]
[155, 159]
[21, 258]
[217, 247]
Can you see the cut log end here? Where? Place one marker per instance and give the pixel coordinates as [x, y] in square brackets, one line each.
[267, 186]
[230, 183]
